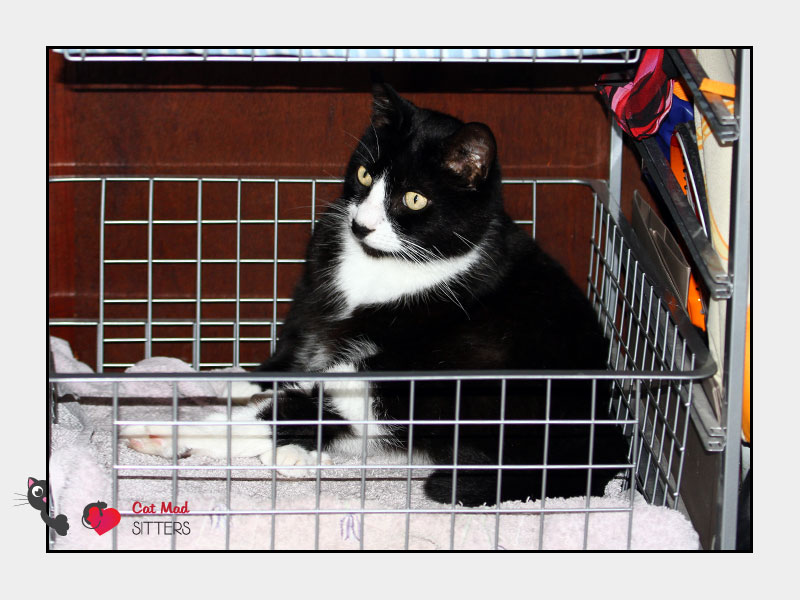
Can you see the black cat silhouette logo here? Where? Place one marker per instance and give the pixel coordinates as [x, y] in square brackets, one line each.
[38, 491]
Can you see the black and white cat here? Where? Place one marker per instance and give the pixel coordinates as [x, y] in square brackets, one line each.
[417, 267]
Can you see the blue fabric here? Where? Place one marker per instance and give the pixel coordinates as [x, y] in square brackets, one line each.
[681, 112]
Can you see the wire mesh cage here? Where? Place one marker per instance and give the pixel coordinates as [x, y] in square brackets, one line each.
[493, 55]
[162, 285]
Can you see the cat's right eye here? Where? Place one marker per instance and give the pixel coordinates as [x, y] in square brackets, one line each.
[37, 491]
[415, 201]
[364, 178]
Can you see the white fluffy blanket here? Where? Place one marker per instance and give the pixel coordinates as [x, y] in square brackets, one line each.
[80, 473]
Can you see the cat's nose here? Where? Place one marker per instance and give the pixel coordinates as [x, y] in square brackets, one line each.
[359, 230]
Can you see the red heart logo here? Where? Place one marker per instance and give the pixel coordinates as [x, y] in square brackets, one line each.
[104, 522]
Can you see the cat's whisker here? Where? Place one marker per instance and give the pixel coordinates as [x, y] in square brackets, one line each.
[471, 245]
[362, 143]
[416, 257]
[420, 251]
[428, 258]
[474, 246]
[436, 252]
[433, 251]
[360, 155]
[339, 209]
[451, 295]
[463, 239]
[377, 142]
[331, 175]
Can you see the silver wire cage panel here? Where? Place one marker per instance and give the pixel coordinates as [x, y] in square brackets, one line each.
[493, 55]
[654, 356]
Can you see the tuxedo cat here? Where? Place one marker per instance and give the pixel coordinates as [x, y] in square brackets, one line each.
[417, 267]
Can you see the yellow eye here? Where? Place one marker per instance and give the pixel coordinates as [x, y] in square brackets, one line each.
[364, 177]
[415, 201]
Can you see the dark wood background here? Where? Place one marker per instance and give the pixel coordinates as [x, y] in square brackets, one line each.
[277, 120]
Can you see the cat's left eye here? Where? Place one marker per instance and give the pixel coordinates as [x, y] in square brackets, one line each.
[37, 491]
[364, 177]
[415, 201]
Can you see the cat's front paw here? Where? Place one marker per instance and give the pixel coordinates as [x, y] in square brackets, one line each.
[203, 440]
[153, 439]
[292, 455]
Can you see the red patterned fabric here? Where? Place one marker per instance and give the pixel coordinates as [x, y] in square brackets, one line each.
[642, 104]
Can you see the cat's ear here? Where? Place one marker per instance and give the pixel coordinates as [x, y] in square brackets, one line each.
[470, 152]
[31, 481]
[388, 108]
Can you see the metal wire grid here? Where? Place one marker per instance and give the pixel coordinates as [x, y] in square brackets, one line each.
[150, 324]
[599, 378]
[644, 337]
[478, 55]
[653, 368]
[195, 326]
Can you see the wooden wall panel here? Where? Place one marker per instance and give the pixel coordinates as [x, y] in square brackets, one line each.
[278, 120]
[147, 125]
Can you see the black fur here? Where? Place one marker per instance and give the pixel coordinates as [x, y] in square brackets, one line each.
[515, 309]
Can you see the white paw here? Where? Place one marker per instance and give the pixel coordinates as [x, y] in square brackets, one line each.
[152, 439]
[293, 455]
[205, 440]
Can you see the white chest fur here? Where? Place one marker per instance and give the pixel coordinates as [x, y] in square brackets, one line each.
[364, 280]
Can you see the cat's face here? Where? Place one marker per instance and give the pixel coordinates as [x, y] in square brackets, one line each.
[37, 493]
[420, 185]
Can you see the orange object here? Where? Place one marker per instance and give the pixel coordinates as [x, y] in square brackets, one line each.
[677, 165]
[746, 395]
[694, 303]
[679, 90]
[695, 306]
[728, 90]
